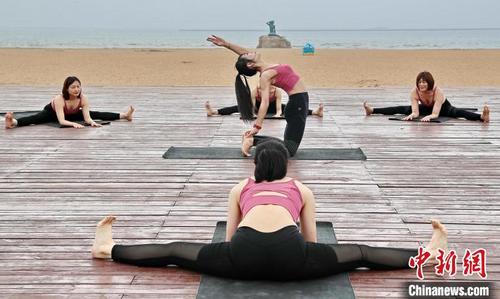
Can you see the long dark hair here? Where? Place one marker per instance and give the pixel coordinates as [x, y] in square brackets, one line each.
[271, 161]
[243, 93]
[70, 80]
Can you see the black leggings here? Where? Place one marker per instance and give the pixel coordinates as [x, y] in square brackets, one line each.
[280, 255]
[446, 110]
[49, 115]
[295, 115]
[272, 109]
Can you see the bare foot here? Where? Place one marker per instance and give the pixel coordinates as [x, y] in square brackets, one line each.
[368, 108]
[246, 145]
[128, 115]
[10, 122]
[103, 238]
[319, 111]
[485, 116]
[210, 111]
[439, 240]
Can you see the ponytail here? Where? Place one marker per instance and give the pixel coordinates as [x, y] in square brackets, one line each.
[244, 98]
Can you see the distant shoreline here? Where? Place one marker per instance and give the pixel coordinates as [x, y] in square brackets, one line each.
[195, 38]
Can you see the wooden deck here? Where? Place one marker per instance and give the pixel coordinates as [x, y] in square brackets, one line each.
[55, 184]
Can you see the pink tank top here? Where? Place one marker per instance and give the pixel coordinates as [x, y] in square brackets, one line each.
[68, 111]
[286, 77]
[292, 202]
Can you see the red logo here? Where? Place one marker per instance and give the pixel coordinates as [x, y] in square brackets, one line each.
[475, 262]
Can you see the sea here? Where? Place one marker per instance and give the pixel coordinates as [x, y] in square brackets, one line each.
[464, 38]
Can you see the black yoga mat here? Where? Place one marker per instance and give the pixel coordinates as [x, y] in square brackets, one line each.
[217, 153]
[440, 119]
[271, 116]
[52, 124]
[335, 286]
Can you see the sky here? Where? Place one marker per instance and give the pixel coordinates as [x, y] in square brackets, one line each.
[251, 15]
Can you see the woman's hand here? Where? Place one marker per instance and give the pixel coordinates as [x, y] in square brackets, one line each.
[427, 118]
[94, 124]
[252, 132]
[218, 41]
[410, 117]
[77, 126]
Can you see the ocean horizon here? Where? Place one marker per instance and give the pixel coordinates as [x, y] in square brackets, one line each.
[374, 38]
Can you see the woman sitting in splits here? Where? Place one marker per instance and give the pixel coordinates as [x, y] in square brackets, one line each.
[262, 238]
[428, 99]
[66, 108]
[274, 97]
[279, 75]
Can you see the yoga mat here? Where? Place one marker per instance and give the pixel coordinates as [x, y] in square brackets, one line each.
[440, 119]
[335, 286]
[270, 116]
[52, 124]
[217, 153]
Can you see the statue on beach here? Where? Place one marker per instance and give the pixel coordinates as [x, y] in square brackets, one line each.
[272, 39]
[272, 28]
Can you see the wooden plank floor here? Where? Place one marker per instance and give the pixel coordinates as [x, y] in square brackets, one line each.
[55, 184]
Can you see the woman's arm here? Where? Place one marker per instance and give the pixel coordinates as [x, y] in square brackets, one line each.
[265, 83]
[308, 214]
[438, 103]
[59, 108]
[414, 106]
[219, 41]
[86, 113]
[278, 103]
[233, 211]
[253, 95]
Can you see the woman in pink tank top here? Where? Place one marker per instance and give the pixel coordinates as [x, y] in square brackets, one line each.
[263, 240]
[279, 75]
[276, 108]
[67, 108]
[428, 100]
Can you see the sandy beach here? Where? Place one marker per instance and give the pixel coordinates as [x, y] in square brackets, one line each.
[215, 67]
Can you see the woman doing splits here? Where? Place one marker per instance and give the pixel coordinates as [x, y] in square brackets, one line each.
[428, 99]
[274, 97]
[262, 237]
[70, 106]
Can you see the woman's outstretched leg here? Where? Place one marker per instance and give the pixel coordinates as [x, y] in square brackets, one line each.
[222, 111]
[469, 115]
[328, 259]
[183, 254]
[352, 256]
[212, 258]
[369, 110]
